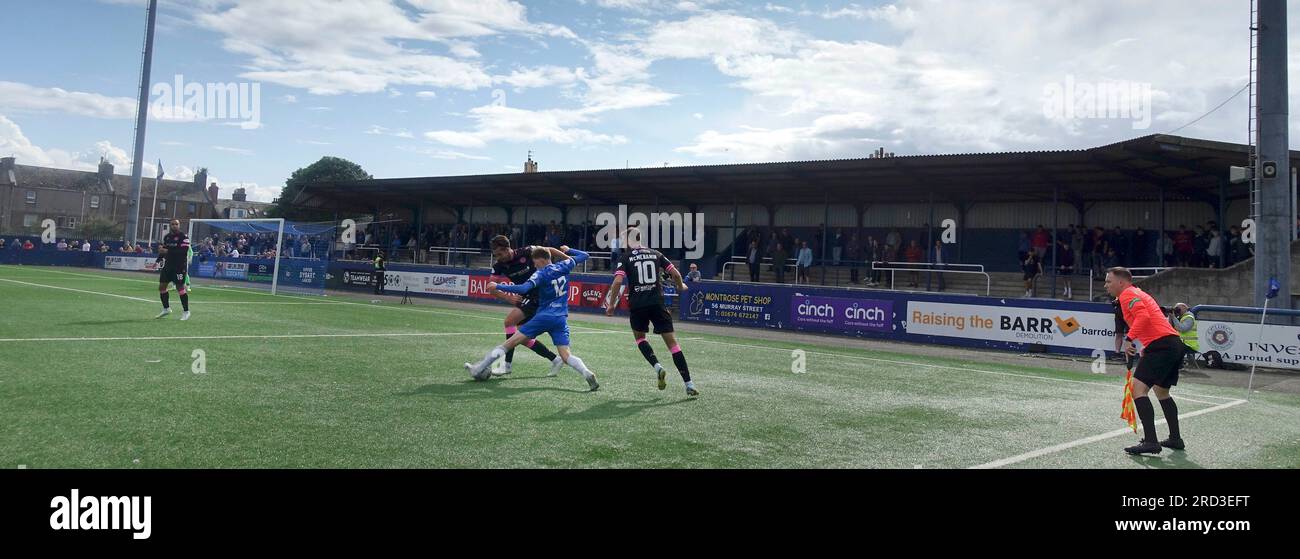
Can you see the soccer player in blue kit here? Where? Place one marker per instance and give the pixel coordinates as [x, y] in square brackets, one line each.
[552, 284]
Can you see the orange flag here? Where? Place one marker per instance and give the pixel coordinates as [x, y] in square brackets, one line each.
[1127, 411]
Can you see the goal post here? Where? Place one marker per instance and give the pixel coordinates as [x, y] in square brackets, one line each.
[261, 252]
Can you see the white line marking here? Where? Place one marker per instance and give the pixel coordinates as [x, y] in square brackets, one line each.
[78, 290]
[1182, 398]
[947, 367]
[255, 291]
[1088, 440]
[259, 336]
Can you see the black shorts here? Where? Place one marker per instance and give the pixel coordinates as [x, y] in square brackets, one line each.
[1160, 362]
[171, 275]
[529, 311]
[642, 317]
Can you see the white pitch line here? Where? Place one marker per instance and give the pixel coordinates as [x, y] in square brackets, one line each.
[947, 367]
[77, 290]
[255, 291]
[1089, 440]
[259, 336]
[576, 329]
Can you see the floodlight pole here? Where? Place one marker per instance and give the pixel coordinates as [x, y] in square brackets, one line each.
[141, 118]
[1274, 225]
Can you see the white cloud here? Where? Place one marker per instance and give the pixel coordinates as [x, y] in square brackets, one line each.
[332, 47]
[717, 35]
[377, 130]
[972, 77]
[426, 94]
[892, 14]
[444, 154]
[239, 151]
[539, 76]
[495, 122]
[14, 142]
[24, 98]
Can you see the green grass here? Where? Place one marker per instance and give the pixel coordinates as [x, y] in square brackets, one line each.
[398, 397]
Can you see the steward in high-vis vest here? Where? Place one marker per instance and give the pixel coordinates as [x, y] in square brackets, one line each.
[1185, 323]
[378, 275]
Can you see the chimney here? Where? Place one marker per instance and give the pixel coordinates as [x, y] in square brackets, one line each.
[530, 166]
[240, 195]
[7, 167]
[201, 179]
[105, 170]
[212, 192]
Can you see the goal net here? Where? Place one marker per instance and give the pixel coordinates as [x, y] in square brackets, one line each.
[274, 255]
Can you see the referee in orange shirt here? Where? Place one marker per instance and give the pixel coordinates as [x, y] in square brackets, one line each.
[1157, 369]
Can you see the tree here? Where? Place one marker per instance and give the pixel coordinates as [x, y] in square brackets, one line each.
[327, 169]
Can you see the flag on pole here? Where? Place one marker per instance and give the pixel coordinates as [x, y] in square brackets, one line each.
[1127, 410]
[160, 171]
[1273, 288]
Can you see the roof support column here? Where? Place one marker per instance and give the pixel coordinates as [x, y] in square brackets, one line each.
[735, 230]
[586, 225]
[826, 218]
[1056, 230]
[1160, 257]
[929, 239]
[419, 231]
[1222, 221]
[963, 210]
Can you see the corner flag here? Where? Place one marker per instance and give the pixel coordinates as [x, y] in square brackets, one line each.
[1127, 410]
[1273, 288]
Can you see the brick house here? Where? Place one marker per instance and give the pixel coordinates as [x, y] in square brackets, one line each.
[30, 194]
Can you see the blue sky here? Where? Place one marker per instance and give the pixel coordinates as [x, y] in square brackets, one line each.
[431, 87]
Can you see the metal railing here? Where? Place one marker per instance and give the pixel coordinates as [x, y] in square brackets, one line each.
[736, 261]
[935, 267]
[1153, 269]
[443, 255]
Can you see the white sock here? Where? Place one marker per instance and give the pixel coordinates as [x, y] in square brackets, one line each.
[493, 355]
[577, 364]
[659, 367]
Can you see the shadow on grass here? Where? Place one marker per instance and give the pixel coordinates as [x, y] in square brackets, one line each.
[107, 322]
[468, 390]
[1168, 460]
[610, 409]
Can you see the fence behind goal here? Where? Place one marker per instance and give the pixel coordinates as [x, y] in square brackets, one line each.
[270, 254]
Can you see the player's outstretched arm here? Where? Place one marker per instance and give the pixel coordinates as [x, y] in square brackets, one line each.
[557, 255]
[578, 255]
[520, 289]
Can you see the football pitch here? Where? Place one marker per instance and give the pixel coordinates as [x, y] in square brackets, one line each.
[88, 378]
